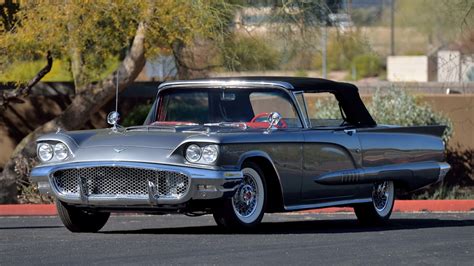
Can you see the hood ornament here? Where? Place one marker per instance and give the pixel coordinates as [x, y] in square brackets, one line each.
[113, 117]
[119, 150]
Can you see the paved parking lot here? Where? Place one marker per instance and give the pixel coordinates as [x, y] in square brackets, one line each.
[423, 238]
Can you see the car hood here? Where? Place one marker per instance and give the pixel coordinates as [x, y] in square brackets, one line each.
[155, 140]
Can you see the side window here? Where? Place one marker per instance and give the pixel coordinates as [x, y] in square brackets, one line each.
[323, 109]
[275, 101]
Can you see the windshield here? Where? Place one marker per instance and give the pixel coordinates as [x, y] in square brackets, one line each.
[223, 106]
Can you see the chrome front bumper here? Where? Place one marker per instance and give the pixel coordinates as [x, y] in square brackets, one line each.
[204, 184]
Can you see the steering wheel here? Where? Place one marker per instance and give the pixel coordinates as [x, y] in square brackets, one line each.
[263, 118]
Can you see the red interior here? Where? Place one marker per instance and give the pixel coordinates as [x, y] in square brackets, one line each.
[254, 123]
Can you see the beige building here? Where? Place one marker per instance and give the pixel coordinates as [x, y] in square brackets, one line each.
[411, 68]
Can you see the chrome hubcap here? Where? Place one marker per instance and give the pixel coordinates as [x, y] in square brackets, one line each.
[245, 200]
[380, 195]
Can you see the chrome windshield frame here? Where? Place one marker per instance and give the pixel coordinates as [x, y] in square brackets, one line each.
[219, 84]
[303, 109]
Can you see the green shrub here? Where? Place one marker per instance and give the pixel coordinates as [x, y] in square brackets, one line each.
[342, 49]
[243, 53]
[327, 108]
[367, 65]
[348, 51]
[396, 106]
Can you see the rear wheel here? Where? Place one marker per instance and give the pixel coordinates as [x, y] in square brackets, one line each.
[379, 210]
[246, 208]
[77, 220]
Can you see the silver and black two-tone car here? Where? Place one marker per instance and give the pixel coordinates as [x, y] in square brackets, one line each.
[237, 148]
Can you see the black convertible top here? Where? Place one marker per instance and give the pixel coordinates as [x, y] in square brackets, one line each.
[347, 94]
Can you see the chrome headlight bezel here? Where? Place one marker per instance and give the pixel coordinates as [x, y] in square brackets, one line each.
[60, 151]
[45, 149]
[193, 153]
[208, 153]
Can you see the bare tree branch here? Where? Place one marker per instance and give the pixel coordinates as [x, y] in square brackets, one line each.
[13, 96]
[464, 20]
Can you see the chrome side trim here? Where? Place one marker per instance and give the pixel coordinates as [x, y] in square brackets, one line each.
[327, 204]
[397, 172]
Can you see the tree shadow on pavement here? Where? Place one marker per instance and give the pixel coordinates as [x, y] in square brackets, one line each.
[306, 227]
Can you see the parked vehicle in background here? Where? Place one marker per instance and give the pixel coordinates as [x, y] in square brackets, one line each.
[238, 148]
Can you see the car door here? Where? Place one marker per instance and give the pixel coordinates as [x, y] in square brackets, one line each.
[325, 151]
[329, 145]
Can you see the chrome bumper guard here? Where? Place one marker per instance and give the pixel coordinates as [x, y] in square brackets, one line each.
[204, 184]
[443, 170]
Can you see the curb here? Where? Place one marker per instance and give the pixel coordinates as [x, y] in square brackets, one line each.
[406, 206]
[28, 210]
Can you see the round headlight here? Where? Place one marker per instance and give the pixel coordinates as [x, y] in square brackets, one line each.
[209, 153]
[45, 152]
[193, 153]
[61, 151]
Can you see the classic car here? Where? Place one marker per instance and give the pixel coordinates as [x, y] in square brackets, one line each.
[237, 148]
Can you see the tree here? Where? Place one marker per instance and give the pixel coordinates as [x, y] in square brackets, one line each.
[442, 21]
[87, 34]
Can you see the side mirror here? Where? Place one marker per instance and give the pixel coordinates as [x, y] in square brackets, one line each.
[113, 118]
[273, 120]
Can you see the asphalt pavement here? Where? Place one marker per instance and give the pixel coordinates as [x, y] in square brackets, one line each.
[410, 238]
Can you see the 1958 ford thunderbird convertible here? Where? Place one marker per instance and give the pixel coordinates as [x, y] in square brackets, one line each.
[238, 148]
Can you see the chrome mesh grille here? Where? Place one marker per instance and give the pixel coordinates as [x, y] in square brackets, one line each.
[112, 180]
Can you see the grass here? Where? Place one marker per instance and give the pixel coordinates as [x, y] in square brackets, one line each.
[23, 71]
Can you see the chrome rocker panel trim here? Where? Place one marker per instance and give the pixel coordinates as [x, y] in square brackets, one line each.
[204, 184]
[327, 204]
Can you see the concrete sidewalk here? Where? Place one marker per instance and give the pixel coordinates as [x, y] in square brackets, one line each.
[400, 206]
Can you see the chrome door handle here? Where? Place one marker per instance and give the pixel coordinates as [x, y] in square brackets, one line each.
[350, 132]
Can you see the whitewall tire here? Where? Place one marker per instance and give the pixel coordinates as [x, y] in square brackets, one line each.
[379, 210]
[247, 207]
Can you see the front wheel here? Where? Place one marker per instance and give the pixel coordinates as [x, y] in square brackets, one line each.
[77, 220]
[246, 208]
[379, 210]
